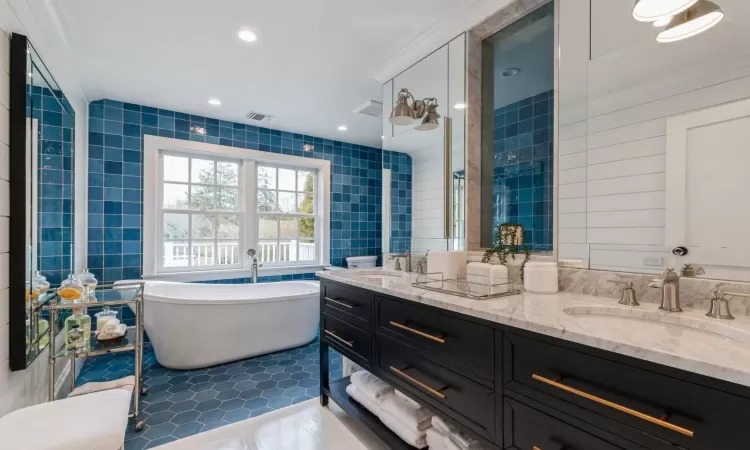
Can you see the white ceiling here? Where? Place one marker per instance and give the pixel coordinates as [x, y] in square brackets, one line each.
[313, 63]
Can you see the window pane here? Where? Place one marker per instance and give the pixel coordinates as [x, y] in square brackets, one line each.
[229, 199]
[267, 227]
[227, 173]
[176, 226]
[307, 251]
[305, 181]
[287, 251]
[287, 228]
[203, 198]
[287, 179]
[228, 252]
[175, 168]
[307, 228]
[268, 251]
[175, 254]
[228, 227]
[203, 226]
[266, 177]
[202, 171]
[305, 203]
[287, 202]
[266, 201]
[175, 196]
[203, 253]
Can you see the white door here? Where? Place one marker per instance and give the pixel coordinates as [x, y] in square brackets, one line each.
[708, 188]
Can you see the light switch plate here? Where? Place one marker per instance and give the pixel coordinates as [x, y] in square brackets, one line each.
[653, 261]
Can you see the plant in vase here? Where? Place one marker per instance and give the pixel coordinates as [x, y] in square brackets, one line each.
[508, 241]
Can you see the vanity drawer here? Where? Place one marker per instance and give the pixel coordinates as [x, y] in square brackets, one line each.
[349, 304]
[471, 343]
[648, 407]
[527, 428]
[437, 386]
[347, 339]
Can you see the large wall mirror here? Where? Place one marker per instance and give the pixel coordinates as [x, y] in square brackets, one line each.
[424, 170]
[41, 198]
[654, 143]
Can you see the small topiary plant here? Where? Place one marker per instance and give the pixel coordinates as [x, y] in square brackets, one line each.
[508, 241]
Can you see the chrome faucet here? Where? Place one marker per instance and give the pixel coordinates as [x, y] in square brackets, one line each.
[251, 252]
[407, 260]
[670, 290]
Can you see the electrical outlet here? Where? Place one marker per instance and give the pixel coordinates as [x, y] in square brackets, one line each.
[653, 261]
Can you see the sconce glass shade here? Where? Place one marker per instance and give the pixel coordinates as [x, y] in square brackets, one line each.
[653, 10]
[697, 19]
[402, 113]
[430, 121]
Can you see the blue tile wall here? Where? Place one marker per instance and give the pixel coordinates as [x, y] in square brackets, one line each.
[55, 164]
[524, 168]
[401, 189]
[116, 131]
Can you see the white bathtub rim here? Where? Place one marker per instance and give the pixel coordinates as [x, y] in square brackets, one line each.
[214, 289]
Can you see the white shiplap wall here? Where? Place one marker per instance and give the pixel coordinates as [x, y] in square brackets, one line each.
[615, 98]
[427, 201]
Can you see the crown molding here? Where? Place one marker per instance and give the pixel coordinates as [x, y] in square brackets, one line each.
[438, 35]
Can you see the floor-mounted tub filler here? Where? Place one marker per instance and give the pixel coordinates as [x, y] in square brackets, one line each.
[198, 325]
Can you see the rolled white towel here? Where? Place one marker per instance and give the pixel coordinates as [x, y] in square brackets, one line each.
[371, 386]
[464, 442]
[450, 445]
[435, 439]
[414, 418]
[363, 400]
[407, 399]
[416, 439]
[442, 426]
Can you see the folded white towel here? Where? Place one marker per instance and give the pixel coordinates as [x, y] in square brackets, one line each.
[435, 439]
[411, 437]
[407, 399]
[371, 386]
[450, 445]
[464, 442]
[442, 426]
[413, 418]
[356, 394]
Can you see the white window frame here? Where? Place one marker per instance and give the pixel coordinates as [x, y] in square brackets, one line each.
[155, 146]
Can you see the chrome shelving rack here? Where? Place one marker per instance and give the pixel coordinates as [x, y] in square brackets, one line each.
[120, 295]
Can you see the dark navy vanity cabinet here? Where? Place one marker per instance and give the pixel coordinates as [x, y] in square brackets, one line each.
[513, 389]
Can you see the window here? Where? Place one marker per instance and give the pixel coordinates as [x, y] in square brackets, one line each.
[206, 205]
[286, 215]
[201, 215]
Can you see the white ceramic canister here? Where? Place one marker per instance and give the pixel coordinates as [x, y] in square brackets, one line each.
[540, 277]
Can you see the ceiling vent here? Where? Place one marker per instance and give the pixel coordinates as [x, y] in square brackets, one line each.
[370, 108]
[258, 117]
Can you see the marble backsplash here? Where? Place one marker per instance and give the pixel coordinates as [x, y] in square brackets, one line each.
[694, 292]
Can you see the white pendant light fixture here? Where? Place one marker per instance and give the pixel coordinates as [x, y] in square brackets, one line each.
[695, 20]
[653, 10]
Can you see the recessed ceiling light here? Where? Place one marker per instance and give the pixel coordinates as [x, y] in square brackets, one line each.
[342, 127]
[214, 102]
[511, 72]
[459, 106]
[247, 36]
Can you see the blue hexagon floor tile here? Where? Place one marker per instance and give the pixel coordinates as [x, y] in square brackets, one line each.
[181, 403]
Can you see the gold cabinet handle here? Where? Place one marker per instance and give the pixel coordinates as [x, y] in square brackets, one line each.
[626, 410]
[339, 303]
[418, 383]
[333, 335]
[417, 332]
[535, 448]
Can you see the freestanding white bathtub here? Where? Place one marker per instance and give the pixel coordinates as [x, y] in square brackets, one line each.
[199, 325]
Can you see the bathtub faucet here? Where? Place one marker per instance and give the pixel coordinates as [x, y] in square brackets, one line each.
[251, 252]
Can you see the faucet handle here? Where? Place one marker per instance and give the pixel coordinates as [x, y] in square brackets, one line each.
[720, 305]
[628, 293]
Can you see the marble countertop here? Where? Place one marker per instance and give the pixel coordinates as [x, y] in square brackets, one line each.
[689, 340]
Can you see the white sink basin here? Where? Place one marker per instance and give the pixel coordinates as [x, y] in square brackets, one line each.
[656, 325]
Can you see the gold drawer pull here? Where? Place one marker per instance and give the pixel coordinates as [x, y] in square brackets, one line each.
[333, 335]
[420, 333]
[612, 405]
[535, 448]
[418, 383]
[339, 303]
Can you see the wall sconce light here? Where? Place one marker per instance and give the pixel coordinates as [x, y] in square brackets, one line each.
[405, 114]
[682, 18]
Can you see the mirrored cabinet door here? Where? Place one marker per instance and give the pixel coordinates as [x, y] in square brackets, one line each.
[41, 193]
